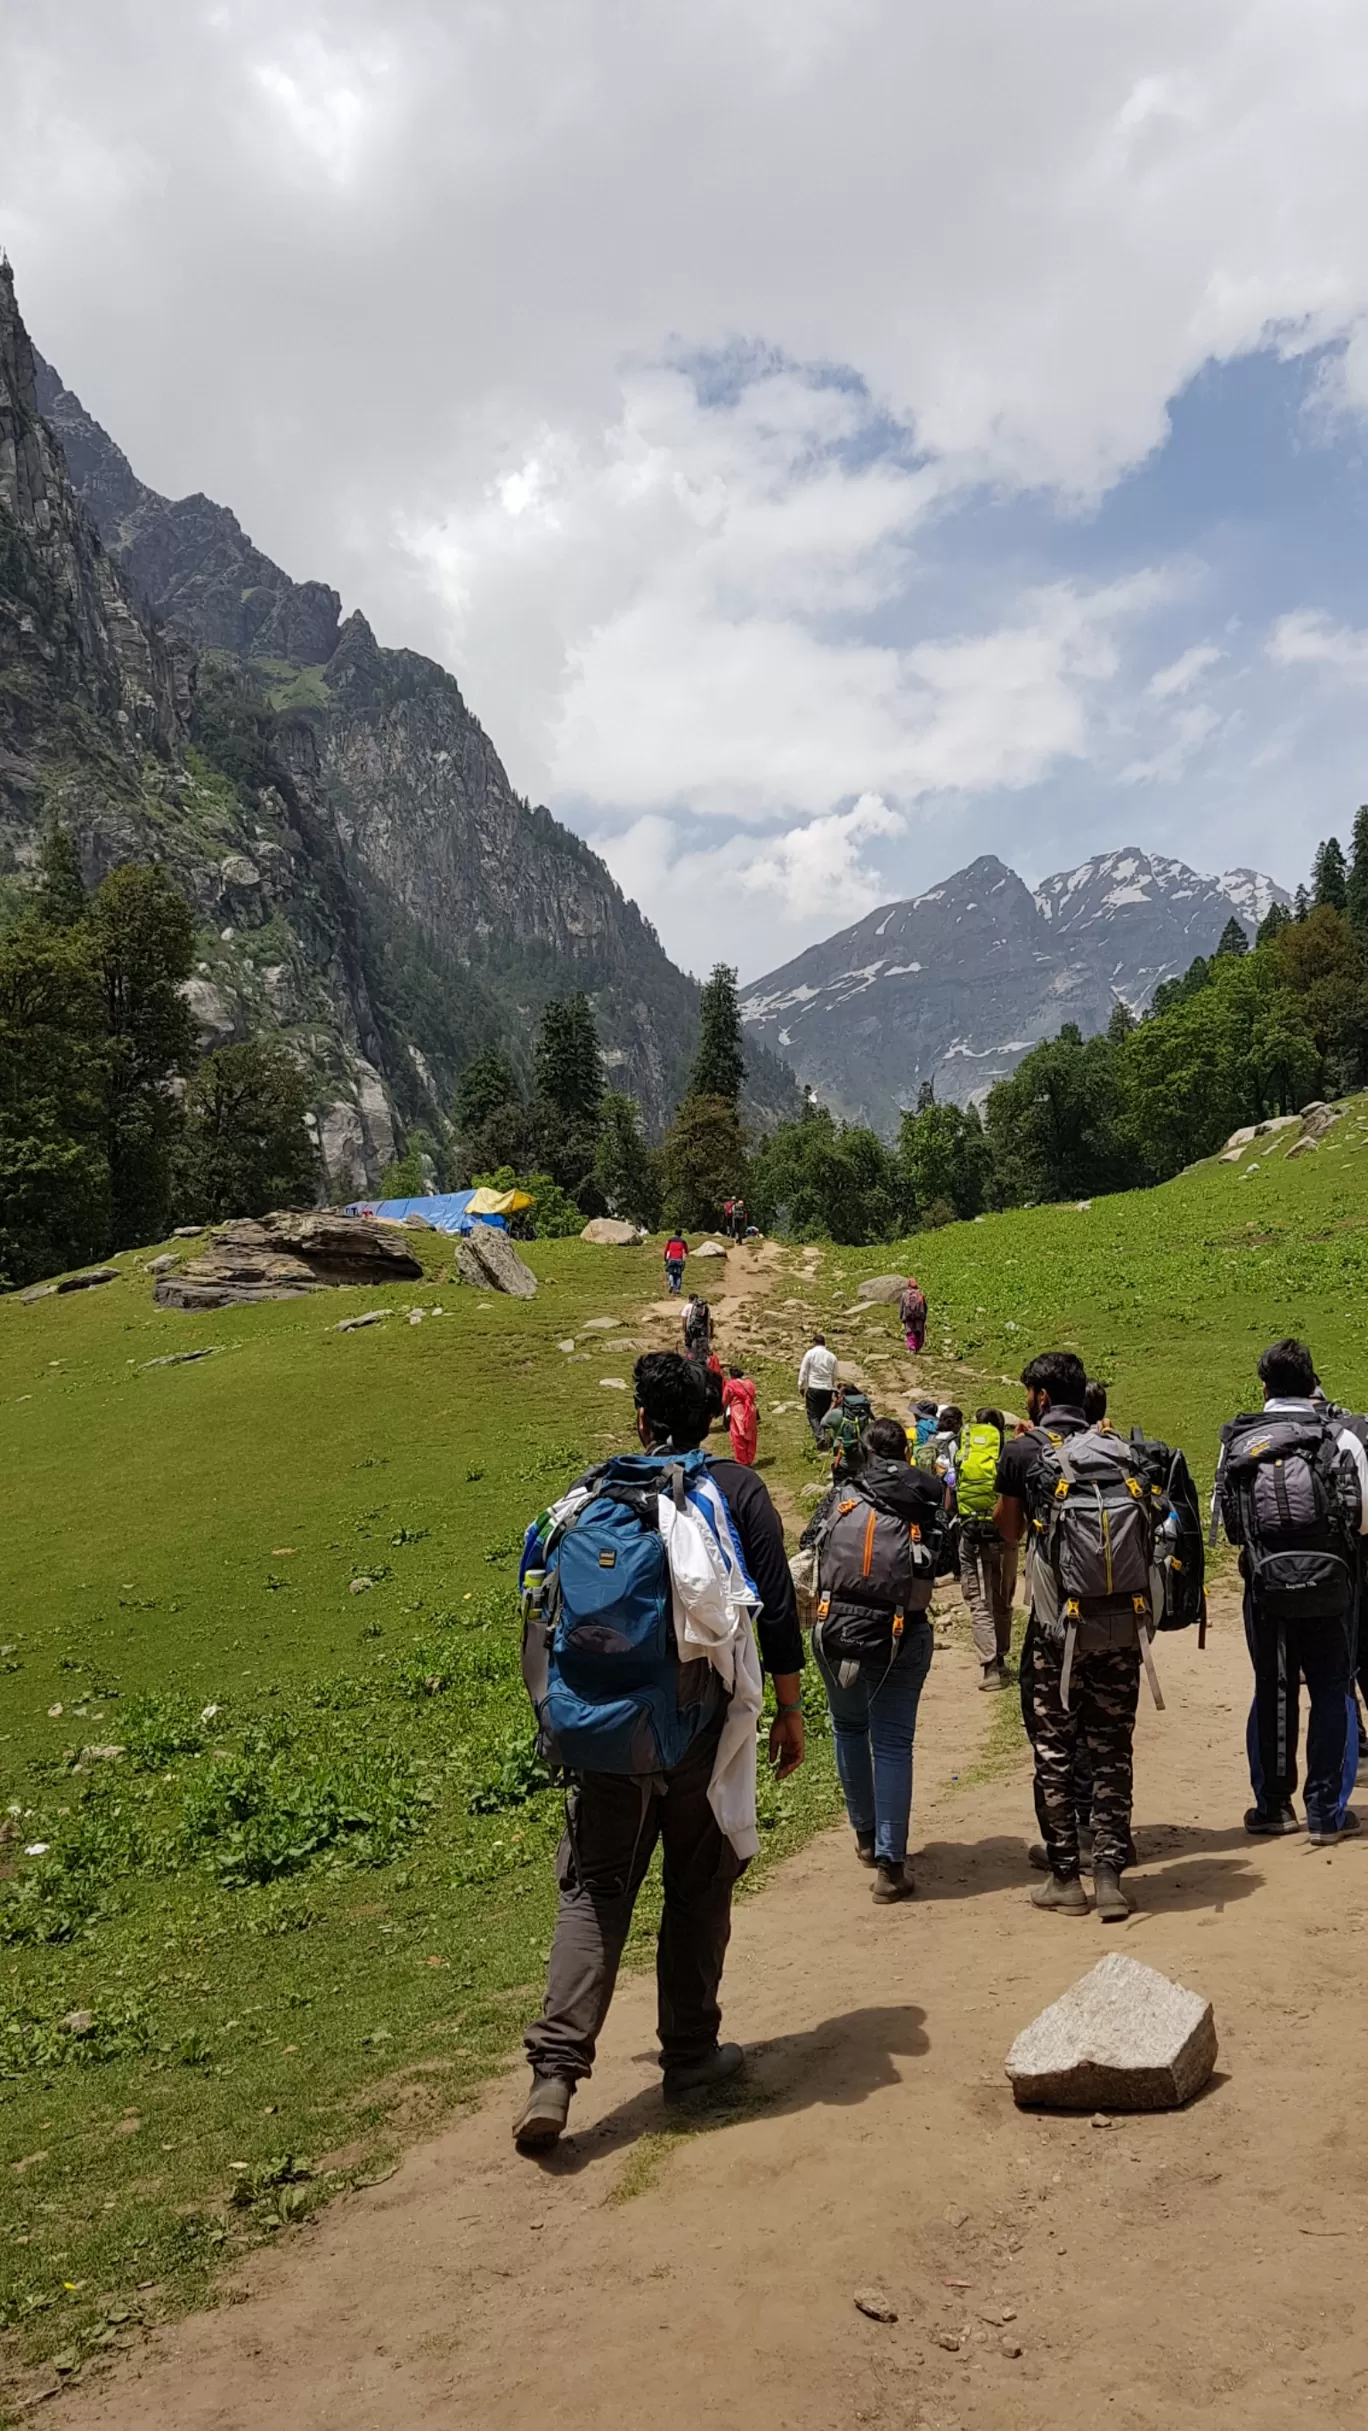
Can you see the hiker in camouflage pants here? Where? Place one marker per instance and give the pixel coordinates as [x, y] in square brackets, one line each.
[1104, 1688]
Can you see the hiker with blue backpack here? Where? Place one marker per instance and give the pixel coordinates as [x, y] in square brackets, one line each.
[640, 1589]
[1292, 1493]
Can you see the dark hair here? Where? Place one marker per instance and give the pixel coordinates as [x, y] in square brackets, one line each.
[736, 1371]
[1288, 1367]
[924, 1406]
[885, 1439]
[820, 1338]
[1061, 1374]
[951, 1418]
[1095, 1402]
[671, 1393]
[991, 1418]
[712, 1387]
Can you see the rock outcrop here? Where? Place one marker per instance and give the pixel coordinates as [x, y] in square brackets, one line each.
[1123, 2038]
[487, 1258]
[284, 1257]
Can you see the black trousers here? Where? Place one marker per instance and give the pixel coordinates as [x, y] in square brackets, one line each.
[612, 1826]
[1322, 1654]
[817, 1405]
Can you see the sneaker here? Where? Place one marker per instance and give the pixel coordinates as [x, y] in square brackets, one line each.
[993, 1676]
[541, 2121]
[893, 1881]
[694, 2080]
[1324, 1836]
[1068, 1898]
[864, 1847]
[1110, 1900]
[1267, 1822]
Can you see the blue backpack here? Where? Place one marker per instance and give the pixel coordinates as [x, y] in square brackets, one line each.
[599, 1657]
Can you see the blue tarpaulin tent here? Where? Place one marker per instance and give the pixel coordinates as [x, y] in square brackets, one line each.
[446, 1211]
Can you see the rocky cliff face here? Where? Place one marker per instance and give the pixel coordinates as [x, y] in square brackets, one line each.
[954, 986]
[367, 881]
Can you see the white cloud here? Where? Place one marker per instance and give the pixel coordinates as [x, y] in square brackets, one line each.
[1182, 673]
[1308, 638]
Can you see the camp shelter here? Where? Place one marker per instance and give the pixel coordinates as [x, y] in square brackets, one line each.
[448, 1210]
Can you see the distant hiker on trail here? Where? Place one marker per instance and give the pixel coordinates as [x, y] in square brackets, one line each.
[817, 1382]
[987, 1566]
[1292, 1493]
[738, 1219]
[925, 1422]
[945, 1441]
[912, 1314]
[676, 1251]
[741, 1409]
[1093, 1532]
[876, 1566]
[842, 1429]
[652, 1711]
[698, 1330]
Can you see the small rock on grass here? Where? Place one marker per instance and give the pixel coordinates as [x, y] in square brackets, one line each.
[359, 1585]
[614, 1384]
[874, 2302]
[566, 1346]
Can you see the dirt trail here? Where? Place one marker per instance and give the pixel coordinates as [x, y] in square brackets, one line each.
[1204, 2267]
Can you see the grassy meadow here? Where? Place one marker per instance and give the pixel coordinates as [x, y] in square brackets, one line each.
[305, 1909]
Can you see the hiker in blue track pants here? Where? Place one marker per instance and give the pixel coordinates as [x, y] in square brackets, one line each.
[614, 1819]
[1292, 1492]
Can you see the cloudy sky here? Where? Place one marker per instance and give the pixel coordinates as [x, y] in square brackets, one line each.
[827, 438]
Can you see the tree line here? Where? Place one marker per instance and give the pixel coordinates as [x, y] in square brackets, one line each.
[113, 1127]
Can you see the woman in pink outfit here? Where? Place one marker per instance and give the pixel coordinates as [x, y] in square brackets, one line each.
[742, 1413]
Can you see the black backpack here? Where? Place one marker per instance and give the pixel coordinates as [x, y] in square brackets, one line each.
[876, 1562]
[1180, 1546]
[1283, 1496]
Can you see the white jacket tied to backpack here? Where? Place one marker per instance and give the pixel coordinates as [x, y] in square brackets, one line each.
[713, 1604]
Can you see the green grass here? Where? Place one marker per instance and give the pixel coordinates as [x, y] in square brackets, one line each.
[1168, 1294]
[298, 1927]
[308, 1907]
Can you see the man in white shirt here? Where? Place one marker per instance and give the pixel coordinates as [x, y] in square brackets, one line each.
[1292, 1492]
[817, 1382]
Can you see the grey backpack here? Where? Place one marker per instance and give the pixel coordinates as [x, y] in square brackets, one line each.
[874, 1572]
[1095, 1514]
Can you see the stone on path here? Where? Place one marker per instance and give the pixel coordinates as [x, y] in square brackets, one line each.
[874, 2302]
[887, 1289]
[1123, 2038]
[486, 1257]
[608, 1232]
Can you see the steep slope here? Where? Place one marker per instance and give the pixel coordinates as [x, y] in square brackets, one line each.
[953, 986]
[474, 908]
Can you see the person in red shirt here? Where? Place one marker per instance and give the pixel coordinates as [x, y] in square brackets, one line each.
[676, 1251]
[741, 1410]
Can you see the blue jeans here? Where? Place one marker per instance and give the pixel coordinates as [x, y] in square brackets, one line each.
[674, 1273]
[873, 1722]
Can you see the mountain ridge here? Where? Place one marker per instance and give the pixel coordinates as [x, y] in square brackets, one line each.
[365, 880]
[952, 987]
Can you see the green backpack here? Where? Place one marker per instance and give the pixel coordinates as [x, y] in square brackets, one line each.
[976, 1474]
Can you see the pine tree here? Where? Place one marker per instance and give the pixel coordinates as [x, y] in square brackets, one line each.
[1329, 877]
[1356, 891]
[1234, 937]
[720, 1064]
[1301, 904]
[1122, 1021]
[569, 1063]
[623, 1173]
[60, 899]
[487, 1083]
[1275, 920]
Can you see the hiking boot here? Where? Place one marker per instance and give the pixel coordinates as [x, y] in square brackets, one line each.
[994, 1676]
[864, 1847]
[1069, 1898]
[693, 2080]
[892, 1881]
[1324, 1836]
[1110, 1900]
[1267, 1822]
[541, 2121]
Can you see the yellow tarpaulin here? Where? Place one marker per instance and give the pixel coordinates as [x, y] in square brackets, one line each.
[500, 1202]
